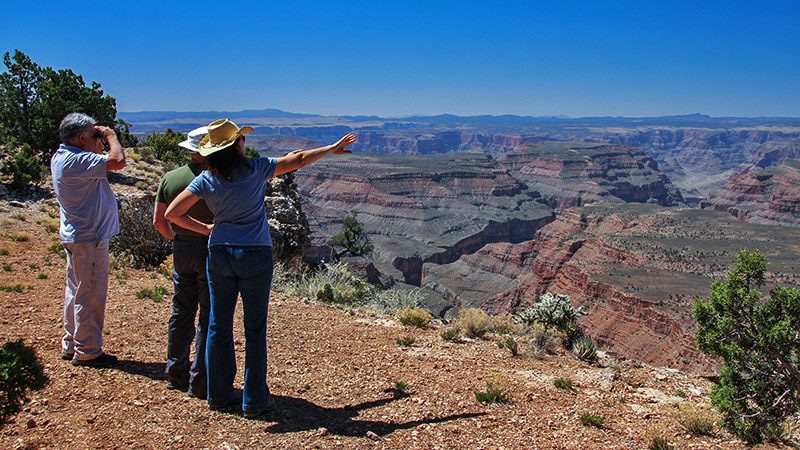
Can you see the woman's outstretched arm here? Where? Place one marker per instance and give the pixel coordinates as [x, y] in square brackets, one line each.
[177, 213]
[302, 158]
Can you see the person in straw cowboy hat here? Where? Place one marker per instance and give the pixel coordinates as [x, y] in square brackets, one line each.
[189, 250]
[240, 254]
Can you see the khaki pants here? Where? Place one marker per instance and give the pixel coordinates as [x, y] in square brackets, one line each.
[85, 299]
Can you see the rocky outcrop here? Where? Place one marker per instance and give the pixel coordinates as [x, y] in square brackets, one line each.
[757, 195]
[288, 226]
[572, 174]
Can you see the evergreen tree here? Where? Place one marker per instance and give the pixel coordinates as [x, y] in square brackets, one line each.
[758, 339]
[352, 239]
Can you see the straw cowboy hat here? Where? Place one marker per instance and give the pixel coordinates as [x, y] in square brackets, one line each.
[192, 144]
[221, 133]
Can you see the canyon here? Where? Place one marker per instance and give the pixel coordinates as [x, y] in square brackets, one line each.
[631, 217]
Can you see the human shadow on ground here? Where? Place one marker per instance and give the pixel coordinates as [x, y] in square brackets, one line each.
[152, 370]
[293, 414]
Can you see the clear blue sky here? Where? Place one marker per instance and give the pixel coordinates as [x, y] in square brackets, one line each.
[392, 58]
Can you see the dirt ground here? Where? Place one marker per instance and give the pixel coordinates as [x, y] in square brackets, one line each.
[333, 373]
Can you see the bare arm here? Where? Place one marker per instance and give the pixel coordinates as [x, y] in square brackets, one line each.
[177, 213]
[302, 158]
[160, 223]
[116, 154]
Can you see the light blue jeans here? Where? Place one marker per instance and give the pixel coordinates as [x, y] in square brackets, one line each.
[247, 271]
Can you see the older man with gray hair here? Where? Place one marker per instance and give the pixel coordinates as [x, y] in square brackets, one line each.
[88, 210]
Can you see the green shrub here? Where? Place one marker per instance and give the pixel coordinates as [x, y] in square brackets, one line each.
[544, 340]
[591, 419]
[585, 349]
[551, 309]
[24, 168]
[332, 283]
[14, 288]
[493, 394]
[164, 147]
[56, 247]
[155, 294]
[20, 372]
[563, 383]
[451, 334]
[511, 344]
[42, 276]
[416, 317]
[7, 267]
[3, 252]
[52, 226]
[756, 338]
[405, 341]
[474, 322]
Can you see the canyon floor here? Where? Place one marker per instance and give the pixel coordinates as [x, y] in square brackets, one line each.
[333, 373]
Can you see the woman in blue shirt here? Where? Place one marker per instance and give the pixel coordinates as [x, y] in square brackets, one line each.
[240, 254]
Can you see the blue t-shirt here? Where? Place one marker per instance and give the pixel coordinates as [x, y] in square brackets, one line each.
[88, 207]
[238, 206]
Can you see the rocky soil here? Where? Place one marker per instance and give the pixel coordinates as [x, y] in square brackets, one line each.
[333, 372]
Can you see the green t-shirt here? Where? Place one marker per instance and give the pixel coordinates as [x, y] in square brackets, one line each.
[172, 184]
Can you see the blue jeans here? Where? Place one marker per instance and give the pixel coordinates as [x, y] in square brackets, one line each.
[191, 292]
[247, 271]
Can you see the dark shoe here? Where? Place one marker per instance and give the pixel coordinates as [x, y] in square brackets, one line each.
[234, 404]
[175, 386]
[104, 360]
[67, 356]
[255, 414]
[197, 394]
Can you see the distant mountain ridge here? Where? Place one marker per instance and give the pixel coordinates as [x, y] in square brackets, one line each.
[686, 120]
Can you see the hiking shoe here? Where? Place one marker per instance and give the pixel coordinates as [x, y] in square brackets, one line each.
[257, 413]
[104, 360]
[66, 356]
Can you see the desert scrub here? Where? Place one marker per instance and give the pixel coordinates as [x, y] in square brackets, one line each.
[394, 299]
[42, 276]
[696, 420]
[563, 383]
[551, 309]
[56, 247]
[21, 237]
[7, 267]
[591, 419]
[332, 283]
[494, 393]
[415, 317]
[509, 343]
[585, 349]
[20, 372]
[51, 226]
[544, 340]
[155, 294]
[21, 217]
[167, 266]
[451, 334]
[3, 252]
[659, 443]
[137, 238]
[506, 324]
[405, 341]
[474, 322]
[15, 288]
